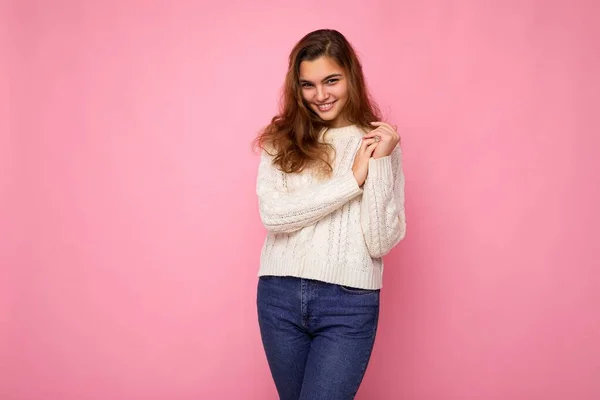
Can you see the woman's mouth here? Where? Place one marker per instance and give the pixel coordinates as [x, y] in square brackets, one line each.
[325, 107]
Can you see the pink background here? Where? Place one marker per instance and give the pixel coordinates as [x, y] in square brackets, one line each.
[130, 233]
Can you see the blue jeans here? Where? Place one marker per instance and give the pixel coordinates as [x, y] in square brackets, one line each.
[317, 336]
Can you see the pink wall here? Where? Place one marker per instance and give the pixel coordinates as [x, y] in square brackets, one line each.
[7, 238]
[132, 262]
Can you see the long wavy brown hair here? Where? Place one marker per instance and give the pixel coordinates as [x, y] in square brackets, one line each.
[293, 134]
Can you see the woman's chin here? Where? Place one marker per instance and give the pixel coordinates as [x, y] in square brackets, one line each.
[328, 116]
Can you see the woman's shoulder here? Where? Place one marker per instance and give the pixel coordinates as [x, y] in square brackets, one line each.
[268, 150]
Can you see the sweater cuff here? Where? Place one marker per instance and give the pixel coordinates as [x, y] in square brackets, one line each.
[349, 185]
[380, 170]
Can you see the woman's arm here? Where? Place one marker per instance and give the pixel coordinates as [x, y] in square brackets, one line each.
[285, 212]
[382, 216]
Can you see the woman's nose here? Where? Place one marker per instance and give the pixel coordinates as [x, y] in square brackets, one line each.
[321, 94]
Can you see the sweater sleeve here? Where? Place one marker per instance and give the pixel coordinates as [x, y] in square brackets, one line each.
[284, 212]
[382, 215]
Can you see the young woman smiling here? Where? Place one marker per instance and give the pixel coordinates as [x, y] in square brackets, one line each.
[330, 188]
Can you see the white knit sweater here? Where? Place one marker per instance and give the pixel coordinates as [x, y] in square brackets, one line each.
[330, 229]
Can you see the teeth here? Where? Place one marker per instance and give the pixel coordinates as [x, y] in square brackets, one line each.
[325, 106]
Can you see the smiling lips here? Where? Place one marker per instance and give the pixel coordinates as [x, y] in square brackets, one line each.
[326, 106]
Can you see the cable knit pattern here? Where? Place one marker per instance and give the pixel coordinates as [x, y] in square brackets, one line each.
[382, 213]
[331, 229]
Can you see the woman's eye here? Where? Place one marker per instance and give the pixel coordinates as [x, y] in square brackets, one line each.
[305, 85]
[332, 81]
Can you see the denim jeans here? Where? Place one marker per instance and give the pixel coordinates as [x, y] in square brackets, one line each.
[317, 336]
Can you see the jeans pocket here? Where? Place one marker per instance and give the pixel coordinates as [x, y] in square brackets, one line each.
[353, 290]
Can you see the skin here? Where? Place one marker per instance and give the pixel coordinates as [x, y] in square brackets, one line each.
[323, 81]
[388, 139]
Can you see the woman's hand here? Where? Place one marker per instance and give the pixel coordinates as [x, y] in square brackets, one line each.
[361, 160]
[388, 138]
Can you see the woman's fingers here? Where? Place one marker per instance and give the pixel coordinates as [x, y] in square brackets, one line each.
[390, 131]
[367, 142]
[368, 146]
[385, 133]
[371, 148]
[381, 124]
[385, 127]
[377, 132]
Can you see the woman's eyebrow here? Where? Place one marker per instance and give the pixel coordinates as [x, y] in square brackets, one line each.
[328, 77]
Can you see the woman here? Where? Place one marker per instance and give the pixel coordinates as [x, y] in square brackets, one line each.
[331, 196]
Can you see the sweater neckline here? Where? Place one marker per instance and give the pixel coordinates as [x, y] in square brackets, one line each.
[351, 130]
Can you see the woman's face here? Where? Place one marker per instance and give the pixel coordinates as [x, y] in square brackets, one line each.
[325, 89]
